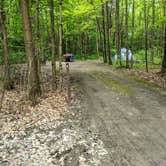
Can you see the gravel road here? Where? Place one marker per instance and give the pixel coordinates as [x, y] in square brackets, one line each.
[129, 117]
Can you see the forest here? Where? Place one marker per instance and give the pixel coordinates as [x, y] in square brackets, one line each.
[89, 29]
[119, 44]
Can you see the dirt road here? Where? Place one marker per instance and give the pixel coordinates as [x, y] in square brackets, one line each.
[129, 117]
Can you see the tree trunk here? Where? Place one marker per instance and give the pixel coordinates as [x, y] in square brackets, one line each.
[122, 22]
[66, 45]
[100, 35]
[107, 27]
[153, 32]
[81, 45]
[53, 45]
[133, 29]
[118, 33]
[86, 45]
[127, 45]
[37, 36]
[7, 80]
[34, 89]
[97, 41]
[146, 35]
[163, 69]
[60, 44]
[104, 35]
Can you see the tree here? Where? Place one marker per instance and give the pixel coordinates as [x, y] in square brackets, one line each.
[97, 40]
[34, 89]
[133, 29]
[146, 34]
[104, 34]
[90, 27]
[7, 79]
[153, 32]
[37, 36]
[60, 43]
[163, 69]
[118, 32]
[127, 36]
[53, 44]
[107, 30]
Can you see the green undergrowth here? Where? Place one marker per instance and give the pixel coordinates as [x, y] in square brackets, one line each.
[113, 83]
[140, 66]
[88, 57]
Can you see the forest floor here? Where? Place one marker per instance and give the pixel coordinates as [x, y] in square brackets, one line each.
[114, 119]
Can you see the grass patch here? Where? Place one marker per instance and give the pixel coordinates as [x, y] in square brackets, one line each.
[140, 66]
[1, 82]
[88, 57]
[111, 82]
[147, 83]
[142, 81]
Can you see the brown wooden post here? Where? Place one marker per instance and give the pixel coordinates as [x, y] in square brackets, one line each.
[68, 82]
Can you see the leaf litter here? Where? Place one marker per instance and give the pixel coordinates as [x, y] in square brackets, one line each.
[42, 135]
[153, 76]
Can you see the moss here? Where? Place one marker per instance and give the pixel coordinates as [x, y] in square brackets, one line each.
[147, 83]
[111, 82]
[150, 85]
[6, 84]
[1, 82]
[143, 82]
[140, 80]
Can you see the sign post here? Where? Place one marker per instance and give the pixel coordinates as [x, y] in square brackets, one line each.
[68, 82]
